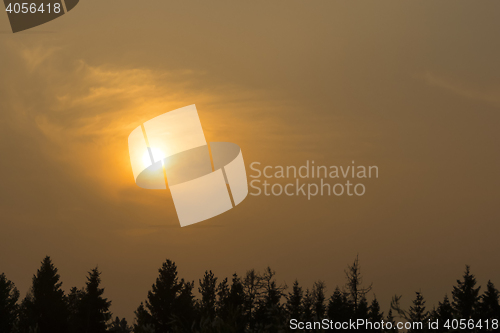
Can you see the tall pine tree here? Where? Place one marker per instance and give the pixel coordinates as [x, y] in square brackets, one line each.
[466, 296]
[169, 305]
[418, 313]
[308, 306]
[45, 307]
[318, 292]
[92, 308]
[208, 291]
[375, 315]
[294, 302]
[339, 307]
[489, 305]
[231, 304]
[9, 296]
[443, 313]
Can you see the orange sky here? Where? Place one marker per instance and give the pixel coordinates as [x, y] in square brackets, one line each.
[410, 86]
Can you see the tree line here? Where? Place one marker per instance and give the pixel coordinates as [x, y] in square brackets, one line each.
[252, 303]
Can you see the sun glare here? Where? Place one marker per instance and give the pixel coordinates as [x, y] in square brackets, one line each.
[158, 155]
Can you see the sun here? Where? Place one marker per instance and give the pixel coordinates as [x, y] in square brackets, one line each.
[158, 155]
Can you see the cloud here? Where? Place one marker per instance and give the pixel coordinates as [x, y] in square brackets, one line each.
[36, 56]
[77, 116]
[489, 95]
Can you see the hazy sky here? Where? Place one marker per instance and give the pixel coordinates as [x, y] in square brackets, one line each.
[410, 86]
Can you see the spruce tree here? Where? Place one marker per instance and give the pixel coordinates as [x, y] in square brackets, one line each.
[308, 306]
[237, 293]
[9, 296]
[390, 319]
[169, 303]
[418, 313]
[143, 320]
[119, 326]
[222, 300]
[185, 313]
[231, 304]
[294, 302]
[443, 313]
[374, 313]
[74, 303]
[93, 309]
[466, 296]
[251, 285]
[45, 308]
[339, 307]
[362, 311]
[208, 291]
[489, 306]
[318, 292]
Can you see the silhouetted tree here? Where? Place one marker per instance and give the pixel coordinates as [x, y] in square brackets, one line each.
[374, 313]
[143, 320]
[74, 299]
[442, 313]
[92, 310]
[45, 308]
[339, 307]
[252, 305]
[208, 291]
[356, 292]
[318, 293]
[418, 313]
[269, 314]
[390, 319]
[169, 304]
[362, 311]
[231, 304]
[489, 305]
[120, 326]
[251, 285]
[222, 299]
[185, 314]
[466, 296]
[9, 296]
[308, 305]
[293, 305]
